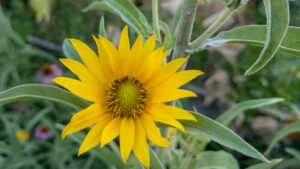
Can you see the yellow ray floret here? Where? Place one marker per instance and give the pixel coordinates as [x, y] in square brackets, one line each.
[128, 88]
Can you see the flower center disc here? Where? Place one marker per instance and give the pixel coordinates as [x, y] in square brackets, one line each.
[47, 70]
[126, 97]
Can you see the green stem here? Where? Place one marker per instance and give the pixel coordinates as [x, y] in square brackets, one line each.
[185, 28]
[195, 46]
[155, 19]
[160, 151]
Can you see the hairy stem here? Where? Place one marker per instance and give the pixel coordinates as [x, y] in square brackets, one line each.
[155, 19]
[195, 46]
[185, 28]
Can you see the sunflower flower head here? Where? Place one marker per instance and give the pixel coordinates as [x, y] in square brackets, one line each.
[128, 87]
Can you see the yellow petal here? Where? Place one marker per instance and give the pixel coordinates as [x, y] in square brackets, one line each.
[140, 146]
[127, 134]
[152, 132]
[138, 44]
[77, 125]
[124, 46]
[167, 71]
[160, 96]
[149, 45]
[171, 112]
[111, 131]
[93, 110]
[170, 122]
[90, 59]
[136, 56]
[110, 50]
[152, 64]
[180, 79]
[94, 136]
[147, 50]
[80, 89]
[80, 71]
[124, 51]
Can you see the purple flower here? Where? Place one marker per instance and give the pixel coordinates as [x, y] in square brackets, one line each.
[42, 132]
[48, 72]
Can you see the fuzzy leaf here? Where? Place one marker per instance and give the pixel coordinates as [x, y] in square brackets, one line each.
[294, 127]
[42, 92]
[222, 135]
[154, 161]
[127, 11]
[216, 159]
[265, 165]
[277, 12]
[167, 39]
[230, 114]
[256, 35]
[102, 31]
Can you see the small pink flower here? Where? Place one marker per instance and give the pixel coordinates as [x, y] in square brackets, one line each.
[42, 132]
[48, 72]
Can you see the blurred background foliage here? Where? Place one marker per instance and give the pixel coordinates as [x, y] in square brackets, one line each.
[32, 33]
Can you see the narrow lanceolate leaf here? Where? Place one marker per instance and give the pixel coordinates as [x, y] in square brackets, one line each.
[103, 153]
[41, 92]
[277, 12]
[69, 51]
[294, 127]
[127, 11]
[102, 31]
[295, 109]
[229, 115]
[222, 135]
[293, 152]
[265, 165]
[216, 159]
[256, 35]
[176, 20]
[167, 39]
[154, 161]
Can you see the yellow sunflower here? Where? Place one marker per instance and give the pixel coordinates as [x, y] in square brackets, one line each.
[128, 88]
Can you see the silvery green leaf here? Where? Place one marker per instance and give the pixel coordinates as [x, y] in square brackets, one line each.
[277, 12]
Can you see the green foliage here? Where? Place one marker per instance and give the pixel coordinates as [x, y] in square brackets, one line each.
[230, 114]
[69, 51]
[222, 135]
[256, 35]
[102, 31]
[293, 152]
[155, 162]
[176, 20]
[291, 128]
[277, 12]
[38, 91]
[103, 153]
[127, 11]
[265, 165]
[168, 39]
[218, 159]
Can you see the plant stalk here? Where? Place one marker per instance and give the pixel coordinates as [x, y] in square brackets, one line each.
[185, 29]
[155, 19]
[195, 46]
[182, 42]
